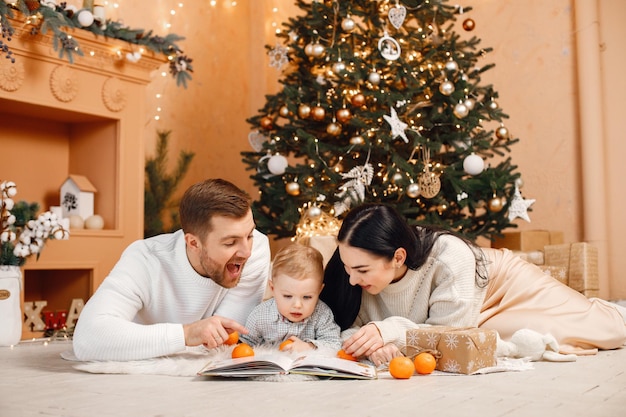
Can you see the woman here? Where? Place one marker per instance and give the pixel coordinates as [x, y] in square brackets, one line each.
[386, 277]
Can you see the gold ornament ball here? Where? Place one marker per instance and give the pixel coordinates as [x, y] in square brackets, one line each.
[308, 49]
[413, 190]
[469, 25]
[502, 132]
[495, 204]
[292, 188]
[284, 111]
[267, 122]
[358, 100]
[374, 78]
[343, 115]
[333, 129]
[357, 140]
[396, 178]
[304, 111]
[318, 113]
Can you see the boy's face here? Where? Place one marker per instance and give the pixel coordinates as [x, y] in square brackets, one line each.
[295, 298]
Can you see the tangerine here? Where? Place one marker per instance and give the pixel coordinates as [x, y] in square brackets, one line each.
[242, 350]
[425, 363]
[343, 355]
[284, 343]
[232, 338]
[401, 367]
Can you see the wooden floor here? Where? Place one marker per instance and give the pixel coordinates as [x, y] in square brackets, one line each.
[36, 381]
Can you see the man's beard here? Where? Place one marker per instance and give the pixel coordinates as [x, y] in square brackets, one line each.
[217, 273]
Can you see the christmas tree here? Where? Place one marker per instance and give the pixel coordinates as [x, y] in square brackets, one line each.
[382, 101]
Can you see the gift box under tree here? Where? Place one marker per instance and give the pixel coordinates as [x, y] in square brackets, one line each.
[460, 350]
[580, 260]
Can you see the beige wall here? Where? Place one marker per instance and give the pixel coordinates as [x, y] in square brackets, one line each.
[536, 50]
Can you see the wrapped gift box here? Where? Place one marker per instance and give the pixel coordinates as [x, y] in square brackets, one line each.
[529, 240]
[460, 350]
[580, 259]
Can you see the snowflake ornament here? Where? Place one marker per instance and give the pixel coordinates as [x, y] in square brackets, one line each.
[278, 56]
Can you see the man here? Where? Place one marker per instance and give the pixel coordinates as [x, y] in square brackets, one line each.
[188, 288]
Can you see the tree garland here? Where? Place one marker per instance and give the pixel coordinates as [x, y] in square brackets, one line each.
[51, 17]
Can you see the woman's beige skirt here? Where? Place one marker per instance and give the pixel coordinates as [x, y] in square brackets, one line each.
[521, 296]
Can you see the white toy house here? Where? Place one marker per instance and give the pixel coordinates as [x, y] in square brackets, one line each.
[77, 197]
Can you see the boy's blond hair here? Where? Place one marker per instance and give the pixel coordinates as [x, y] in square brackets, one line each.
[299, 261]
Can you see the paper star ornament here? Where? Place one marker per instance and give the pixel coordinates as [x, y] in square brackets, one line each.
[397, 126]
[519, 206]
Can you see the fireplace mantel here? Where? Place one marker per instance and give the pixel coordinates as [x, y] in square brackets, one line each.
[86, 118]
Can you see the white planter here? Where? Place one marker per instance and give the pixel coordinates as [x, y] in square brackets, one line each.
[10, 306]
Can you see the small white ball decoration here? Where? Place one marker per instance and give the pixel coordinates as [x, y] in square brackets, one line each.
[469, 103]
[277, 164]
[473, 164]
[85, 18]
[374, 78]
[76, 222]
[95, 222]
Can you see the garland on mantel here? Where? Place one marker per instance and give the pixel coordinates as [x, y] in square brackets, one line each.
[48, 16]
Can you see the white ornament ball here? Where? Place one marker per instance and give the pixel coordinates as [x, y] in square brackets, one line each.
[446, 88]
[413, 190]
[339, 67]
[318, 50]
[374, 78]
[469, 103]
[95, 222]
[519, 182]
[473, 164]
[85, 18]
[76, 222]
[277, 164]
[347, 24]
[314, 212]
[452, 66]
[461, 110]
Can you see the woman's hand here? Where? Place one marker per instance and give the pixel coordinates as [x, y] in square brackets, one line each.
[385, 354]
[364, 342]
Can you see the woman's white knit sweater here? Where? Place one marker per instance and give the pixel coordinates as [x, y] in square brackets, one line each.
[441, 292]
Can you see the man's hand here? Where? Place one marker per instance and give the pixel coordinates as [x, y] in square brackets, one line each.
[211, 332]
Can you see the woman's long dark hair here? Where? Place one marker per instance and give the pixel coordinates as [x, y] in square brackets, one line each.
[381, 230]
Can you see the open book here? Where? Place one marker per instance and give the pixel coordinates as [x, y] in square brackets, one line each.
[280, 363]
